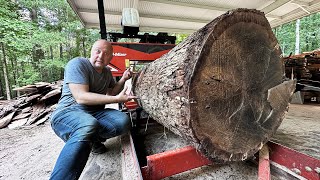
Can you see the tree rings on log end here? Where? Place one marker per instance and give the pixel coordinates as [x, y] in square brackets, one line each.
[239, 63]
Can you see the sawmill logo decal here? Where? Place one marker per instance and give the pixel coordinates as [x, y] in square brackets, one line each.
[119, 54]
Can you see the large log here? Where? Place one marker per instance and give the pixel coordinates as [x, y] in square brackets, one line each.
[222, 88]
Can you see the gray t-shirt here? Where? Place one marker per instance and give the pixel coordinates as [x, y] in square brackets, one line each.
[80, 71]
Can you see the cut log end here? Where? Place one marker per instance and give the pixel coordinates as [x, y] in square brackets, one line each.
[239, 132]
[230, 114]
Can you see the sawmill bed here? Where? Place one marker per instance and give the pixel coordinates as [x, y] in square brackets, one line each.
[157, 141]
[299, 131]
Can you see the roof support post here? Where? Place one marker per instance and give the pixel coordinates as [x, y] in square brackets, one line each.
[102, 20]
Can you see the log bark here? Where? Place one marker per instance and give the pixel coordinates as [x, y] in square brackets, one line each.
[222, 88]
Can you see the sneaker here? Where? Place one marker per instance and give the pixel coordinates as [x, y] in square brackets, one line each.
[98, 148]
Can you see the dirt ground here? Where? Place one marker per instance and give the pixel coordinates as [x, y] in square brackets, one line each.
[30, 153]
[300, 130]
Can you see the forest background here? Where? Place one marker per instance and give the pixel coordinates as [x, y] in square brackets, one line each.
[38, 37]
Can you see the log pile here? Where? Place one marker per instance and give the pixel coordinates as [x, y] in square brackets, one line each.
[32, 108]
[222, 89]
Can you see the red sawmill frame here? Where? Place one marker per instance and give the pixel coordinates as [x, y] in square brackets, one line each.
[172, 162]
[146, 52]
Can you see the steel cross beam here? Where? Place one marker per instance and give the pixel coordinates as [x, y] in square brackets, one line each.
[301, 164]
[172, 162]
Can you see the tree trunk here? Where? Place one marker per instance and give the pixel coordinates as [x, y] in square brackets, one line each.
[222, 88]
[17, 74]
[34, 15]
[84, 47]
[1, 79]
[61, 51]
[5, 72]
[14, 74]
[51, 52]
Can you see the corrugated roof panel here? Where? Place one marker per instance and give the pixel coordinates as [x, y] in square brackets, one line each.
[188, 15]
[265, 4]
[270, 19]
[286, 8]
[111, 20]
[230, 4]
[169, 10]
[212, 14]
[89, 17]
[297, 13]
[117, 5]
[85, 4]
[171, 24]
[113, 5]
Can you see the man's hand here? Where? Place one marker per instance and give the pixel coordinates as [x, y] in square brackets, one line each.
[127, 74]
[123, 97]
[118, 87]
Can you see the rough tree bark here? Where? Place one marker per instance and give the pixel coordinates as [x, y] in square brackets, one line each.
[5, 72]
[222, 88]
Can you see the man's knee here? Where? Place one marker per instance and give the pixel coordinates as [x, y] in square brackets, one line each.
[124, 123]
[86, 131]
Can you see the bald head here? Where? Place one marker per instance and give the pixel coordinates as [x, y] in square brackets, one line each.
[101, 54]
[102, 41]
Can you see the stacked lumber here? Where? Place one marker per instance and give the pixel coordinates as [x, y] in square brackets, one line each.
[303, 66]
[32, 108]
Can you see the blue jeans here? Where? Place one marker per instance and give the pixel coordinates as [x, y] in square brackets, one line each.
[79, 130]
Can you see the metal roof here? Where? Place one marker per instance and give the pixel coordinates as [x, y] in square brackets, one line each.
[187, 16]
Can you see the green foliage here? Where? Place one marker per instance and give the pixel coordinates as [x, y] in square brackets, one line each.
[15, 34]
[32, 45]
[54, 63]
[29, 76]
[8, 9]
[286, 37]
[309, 34]
[51, 68]
[180, 37]
[47, 39]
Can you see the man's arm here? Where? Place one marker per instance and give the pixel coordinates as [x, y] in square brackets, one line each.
[119, 85]
[82, 95]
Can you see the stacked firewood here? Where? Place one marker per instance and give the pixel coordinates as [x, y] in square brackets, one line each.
[33, 107]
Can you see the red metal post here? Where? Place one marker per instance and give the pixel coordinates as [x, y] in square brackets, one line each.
[264, 164]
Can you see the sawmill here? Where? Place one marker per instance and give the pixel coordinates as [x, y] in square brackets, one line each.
[222, 104]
